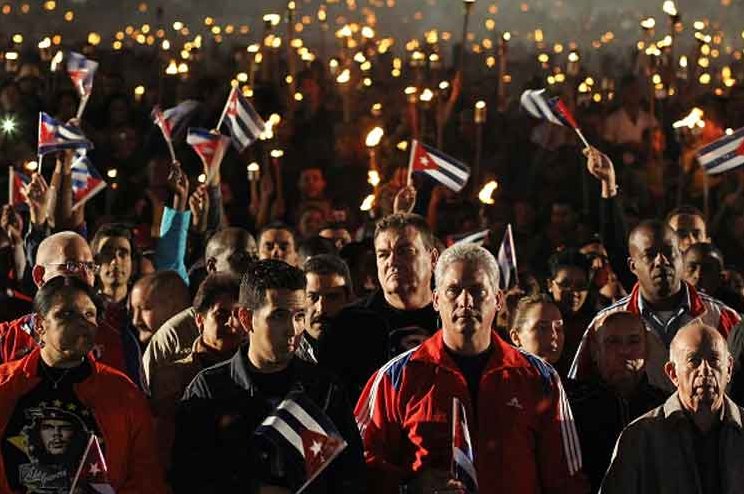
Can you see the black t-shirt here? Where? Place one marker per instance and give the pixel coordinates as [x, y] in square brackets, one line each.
[472, 368]
[43, 445]
[274, 386]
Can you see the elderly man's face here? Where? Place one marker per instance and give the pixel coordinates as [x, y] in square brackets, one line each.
[700, 368]
[621, 351]
[403, 262]
[466, 300]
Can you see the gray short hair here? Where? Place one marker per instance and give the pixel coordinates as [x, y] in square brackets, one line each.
[471, 254]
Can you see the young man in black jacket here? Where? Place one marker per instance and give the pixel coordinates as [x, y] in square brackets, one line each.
[215, 448]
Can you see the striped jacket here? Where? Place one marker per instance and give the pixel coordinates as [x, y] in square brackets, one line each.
[523, 435]
[696, 305]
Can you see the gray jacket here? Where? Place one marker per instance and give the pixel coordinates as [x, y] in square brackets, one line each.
[655, 455]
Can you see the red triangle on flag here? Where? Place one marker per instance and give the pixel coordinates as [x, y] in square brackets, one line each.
[46, 135]
[740, 149]
[422, 160]
[320, 449]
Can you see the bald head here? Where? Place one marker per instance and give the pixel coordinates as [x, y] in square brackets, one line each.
[700, 367]
[230, 250]
[64, 253]
[156, 298]
[694, 336]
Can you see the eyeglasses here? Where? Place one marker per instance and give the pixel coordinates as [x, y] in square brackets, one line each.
[74, 266]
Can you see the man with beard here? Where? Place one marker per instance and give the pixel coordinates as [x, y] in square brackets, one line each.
[664, 302]
[328, 289]
[693, 443]
[605, 404]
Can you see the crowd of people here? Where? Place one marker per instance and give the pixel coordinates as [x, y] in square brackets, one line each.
[174, 312]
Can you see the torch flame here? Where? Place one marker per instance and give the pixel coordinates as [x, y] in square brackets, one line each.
[693, 119]
[487, 191]
[374, 137]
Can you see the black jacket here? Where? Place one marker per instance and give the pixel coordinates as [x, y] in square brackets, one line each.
[601, 415]
[216, 451]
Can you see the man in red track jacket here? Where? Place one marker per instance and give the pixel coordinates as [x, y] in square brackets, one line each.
[524, 440]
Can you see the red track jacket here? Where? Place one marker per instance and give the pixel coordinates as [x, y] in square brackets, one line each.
[122, 415]
[524, 440]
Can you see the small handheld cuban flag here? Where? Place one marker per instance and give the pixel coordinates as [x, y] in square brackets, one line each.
[537, 104]
[444, 169]
[507, 259]
[304, 436]
[55, 136]
[210, 147]
[723, 154]
[16, 182]
[92, 474]
[242, 120]
[81, 71]
[86, 181]
[171, 121]
[463, 456]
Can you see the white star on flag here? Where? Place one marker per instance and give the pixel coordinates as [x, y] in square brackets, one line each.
[316, 448]
[424, 161]
[94, 470]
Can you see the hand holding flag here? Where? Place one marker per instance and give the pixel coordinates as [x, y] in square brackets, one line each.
[171, 121]
[92, 473]
[537, 104]
[304, 435]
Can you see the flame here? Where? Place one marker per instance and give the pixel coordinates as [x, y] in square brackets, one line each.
[374, 137]
[693, 119]
[487, 191]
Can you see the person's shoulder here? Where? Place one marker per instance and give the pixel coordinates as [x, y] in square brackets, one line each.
[114, 382]
[9, 370]
[208, 381]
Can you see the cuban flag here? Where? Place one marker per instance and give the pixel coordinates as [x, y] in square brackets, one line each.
[92, 474]
[172, 121]
[477, 238]
[463, 456]
[303, 435]
[444, 169]
[16, 183]
[242, 120]
[81, 72]
[86, 181]
[55, 136]
[210, 147]
[507, 259]
[537, 104]
[723, 154]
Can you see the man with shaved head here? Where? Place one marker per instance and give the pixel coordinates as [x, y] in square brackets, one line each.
[693, 443]
[67, 253]
[661, 298]
[230, 250]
